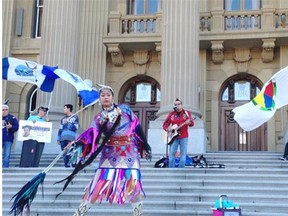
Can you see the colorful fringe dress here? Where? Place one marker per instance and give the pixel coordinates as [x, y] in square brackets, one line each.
[118, 177]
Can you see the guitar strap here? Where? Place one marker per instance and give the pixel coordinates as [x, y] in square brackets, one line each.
[187, 114]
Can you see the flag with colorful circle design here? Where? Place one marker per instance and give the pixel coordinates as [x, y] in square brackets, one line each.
[262, 108]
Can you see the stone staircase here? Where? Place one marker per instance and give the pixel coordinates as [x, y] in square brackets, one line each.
[257, 181]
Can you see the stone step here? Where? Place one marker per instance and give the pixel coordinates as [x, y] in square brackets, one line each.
[153, 173]
[126, 211]
[151, 204]
[256, 181]
[243, 161]
[244, 191]
[167, 182]
[158, 195]
[209, 156]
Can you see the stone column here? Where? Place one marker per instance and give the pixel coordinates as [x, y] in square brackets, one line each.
[267, 17]
[72, 38]
[59, 47]
[7, 18]
[283, 4]
[283, 56]
[92, 51]
[180, 69]
[216, 7]
[180, 51]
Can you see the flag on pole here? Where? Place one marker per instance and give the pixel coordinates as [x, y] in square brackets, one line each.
[88, 94]
[262, 108]
[44, 77]
[14, 69]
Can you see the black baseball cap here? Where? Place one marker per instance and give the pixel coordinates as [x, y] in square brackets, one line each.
[45, 109]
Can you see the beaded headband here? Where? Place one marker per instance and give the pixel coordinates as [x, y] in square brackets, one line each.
[102, 87]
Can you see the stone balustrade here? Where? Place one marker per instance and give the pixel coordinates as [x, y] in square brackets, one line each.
[138, 24]
[205, 21]
[243, 20]
[134, 24]
[231, 21]
[281, 18]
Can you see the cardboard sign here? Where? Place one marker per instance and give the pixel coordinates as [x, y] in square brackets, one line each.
[40, 131]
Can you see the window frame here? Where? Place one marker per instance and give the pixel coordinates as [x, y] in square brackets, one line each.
[257, 6]
[132, 4]
[228, 88]
[38, 18]
[131, 94]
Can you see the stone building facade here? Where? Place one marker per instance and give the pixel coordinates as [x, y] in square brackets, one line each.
[212, 54]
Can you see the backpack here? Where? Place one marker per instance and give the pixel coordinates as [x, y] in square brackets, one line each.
[199, 161]
[162, 163]
[189, 161]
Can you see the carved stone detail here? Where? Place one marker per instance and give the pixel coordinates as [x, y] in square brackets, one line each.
[116, 54]
[268, 50]
[158, 49]
[217, 52]
[242, 59]
[141, 58]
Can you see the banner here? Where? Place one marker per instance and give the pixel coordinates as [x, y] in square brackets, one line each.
[88, 94]
[14, 69]
[262, 108]
[40, 131]
[44, 77]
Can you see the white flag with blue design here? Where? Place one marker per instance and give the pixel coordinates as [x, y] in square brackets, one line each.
[14, 69]
[44, 77]
[88, 94]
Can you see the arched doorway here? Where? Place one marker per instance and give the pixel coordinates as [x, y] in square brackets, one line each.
[235, 91]
[142, 94]
[31, 100]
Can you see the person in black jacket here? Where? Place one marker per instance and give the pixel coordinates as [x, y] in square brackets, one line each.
[285, 143]
[9, 126]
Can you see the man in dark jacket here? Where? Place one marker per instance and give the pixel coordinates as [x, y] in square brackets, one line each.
[69, 125]
[9, 126]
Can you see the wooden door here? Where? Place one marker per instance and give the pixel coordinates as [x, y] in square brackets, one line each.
[145, 114]
[142, 94]
[234, 138]
[236, 91]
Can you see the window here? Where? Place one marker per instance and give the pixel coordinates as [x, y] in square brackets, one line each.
[143, 92]
[143, 7]
[242, 5]
[225, 95]
[38, 18]
[248, 21]
[139, 7]
[242, 90]
[31, 100]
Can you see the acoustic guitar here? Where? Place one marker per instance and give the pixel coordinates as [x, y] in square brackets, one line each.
[173, 132]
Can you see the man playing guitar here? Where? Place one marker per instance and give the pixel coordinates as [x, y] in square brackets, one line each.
[176, 125]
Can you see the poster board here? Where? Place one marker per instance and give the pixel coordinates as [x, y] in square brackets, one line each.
[40, 131]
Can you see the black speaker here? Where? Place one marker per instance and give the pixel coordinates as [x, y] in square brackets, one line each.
[31, 153]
